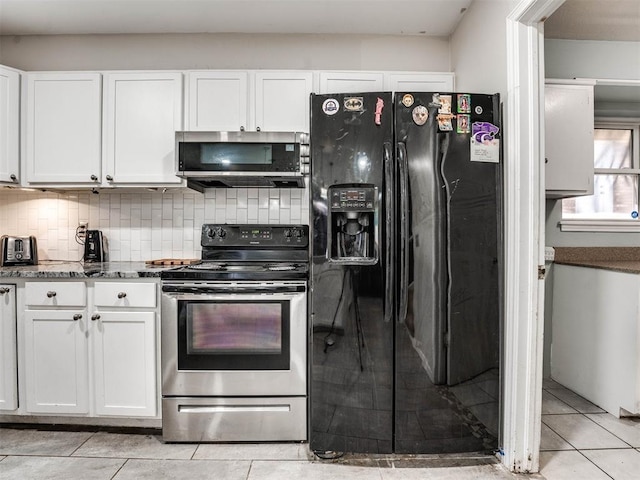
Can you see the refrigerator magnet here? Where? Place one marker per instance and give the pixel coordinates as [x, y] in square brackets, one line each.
[463, 123]
[444, 122]
[464, 103]
[445, 104]
[353, 104]
[330, 106]
[420, 114]
[407, 100]
[485, 147]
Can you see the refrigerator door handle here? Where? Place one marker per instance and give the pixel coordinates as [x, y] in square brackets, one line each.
[403, 173]
[389, 233]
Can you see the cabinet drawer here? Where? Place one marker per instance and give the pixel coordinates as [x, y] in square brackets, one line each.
[55, 294]
[121, 294]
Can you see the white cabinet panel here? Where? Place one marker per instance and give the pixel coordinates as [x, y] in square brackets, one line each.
[9, 125]
[8, 366]
[124, 350]
[218, 101]
[282, 100]
[351, 82]
[419, 82]
[568, 140]
[143, 112]
[122, 294]
[56, 361]
[63, 128]
[55, 294]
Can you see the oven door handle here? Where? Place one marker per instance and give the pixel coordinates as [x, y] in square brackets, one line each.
[243, 289]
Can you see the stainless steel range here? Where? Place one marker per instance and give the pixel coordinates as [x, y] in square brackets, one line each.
[234, 337]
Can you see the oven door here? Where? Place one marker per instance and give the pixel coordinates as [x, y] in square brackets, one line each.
[234, 339]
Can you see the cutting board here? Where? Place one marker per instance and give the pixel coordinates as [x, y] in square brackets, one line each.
[172, 261]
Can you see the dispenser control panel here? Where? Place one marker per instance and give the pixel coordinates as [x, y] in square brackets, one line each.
[353, 198]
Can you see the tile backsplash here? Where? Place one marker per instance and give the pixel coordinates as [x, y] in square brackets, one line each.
[142, 225]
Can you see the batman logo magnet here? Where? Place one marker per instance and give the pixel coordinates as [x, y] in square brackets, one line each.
[353, 104]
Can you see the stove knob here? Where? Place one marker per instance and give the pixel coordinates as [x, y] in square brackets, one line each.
[287, 232]
[211, 233]
[221, 233]
[298, 233]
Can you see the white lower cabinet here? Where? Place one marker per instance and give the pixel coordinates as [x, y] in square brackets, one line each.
[8, 349]
[99, 359]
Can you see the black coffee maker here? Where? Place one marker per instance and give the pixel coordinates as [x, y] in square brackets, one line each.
[95, 247]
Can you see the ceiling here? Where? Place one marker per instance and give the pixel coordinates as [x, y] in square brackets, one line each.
[386, 17]
[613, 20]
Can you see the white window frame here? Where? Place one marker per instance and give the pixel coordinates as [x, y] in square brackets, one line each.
[612, 225]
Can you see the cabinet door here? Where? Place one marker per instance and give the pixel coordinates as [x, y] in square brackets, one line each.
[568, 116]
[419, 82]
[124, 349]
[63, 128]
[8, 367]
[282, 101]
[218, 101]
[143, 112]
[351, 82]
[9, 125]
[56, 356]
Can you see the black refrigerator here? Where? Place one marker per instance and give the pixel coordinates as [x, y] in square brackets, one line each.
[406, 273]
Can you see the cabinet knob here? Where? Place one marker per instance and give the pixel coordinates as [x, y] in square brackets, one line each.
[546, 160]
[13, 177]
[109, 178]
[257, 129]
[51, 294]
[77, 317]
[4, 290]
[122, 294]
[242, 128]
[95, 316]
[94, 178]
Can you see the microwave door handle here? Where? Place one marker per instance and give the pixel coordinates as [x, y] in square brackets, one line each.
[389, 206]
[403, 173]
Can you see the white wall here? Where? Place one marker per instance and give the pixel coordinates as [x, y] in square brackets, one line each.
[141, 225]
[225, 51]
[478, 47]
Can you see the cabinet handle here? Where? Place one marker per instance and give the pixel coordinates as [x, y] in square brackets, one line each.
[77, 317]
[109, 178]
[257, 129]
[95, 316]
[242, 128]
[122, 294]
[4, 290]
[51, 294]
[13, 177]
[94, 178]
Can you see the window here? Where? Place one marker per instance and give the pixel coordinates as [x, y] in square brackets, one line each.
[616, 174]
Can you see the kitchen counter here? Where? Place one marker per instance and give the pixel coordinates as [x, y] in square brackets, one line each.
[61, 269]
[617, 259]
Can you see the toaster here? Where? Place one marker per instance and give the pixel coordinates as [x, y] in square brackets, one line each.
[18, 251]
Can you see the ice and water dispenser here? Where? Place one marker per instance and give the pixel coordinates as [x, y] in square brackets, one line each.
[353, 224]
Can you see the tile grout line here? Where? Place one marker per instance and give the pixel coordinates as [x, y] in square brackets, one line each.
[126, 460]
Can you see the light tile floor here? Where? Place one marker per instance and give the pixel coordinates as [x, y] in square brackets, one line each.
[41, 454]
[581, 441]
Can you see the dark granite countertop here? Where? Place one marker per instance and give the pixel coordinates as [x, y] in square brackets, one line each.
[62, 269]
[619, 259]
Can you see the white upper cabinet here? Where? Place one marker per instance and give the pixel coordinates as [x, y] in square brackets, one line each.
[142, 113]
[568, 116]
[351, 82]
[63, 128]
[9, 125]
[419, 82]
[218, 101]
[282, 100]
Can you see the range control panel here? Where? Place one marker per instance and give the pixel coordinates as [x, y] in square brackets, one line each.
[223, 235]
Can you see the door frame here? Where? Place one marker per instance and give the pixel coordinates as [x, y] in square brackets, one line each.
[524, 235]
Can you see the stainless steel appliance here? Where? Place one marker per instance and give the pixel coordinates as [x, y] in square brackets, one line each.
[234, 337]
[18, 251]
[242, 159]
[405, 273]
[95, 246]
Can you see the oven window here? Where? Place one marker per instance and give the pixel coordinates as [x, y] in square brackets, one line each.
[237, 328]
[233, 335]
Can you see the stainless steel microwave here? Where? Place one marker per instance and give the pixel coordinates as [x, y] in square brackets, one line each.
[242, 159]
